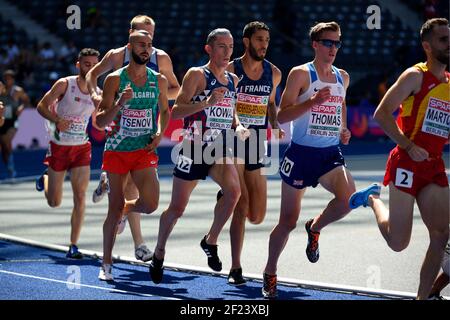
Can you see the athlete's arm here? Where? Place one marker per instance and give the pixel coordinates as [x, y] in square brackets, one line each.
[56, 92]
[164, 113]
[166, 68]
[109, 108]
[345, 133]
[193, 81]
[297, 83]
[2, 112]
[407, 84]
[108, 63]
[23, 97]
[272, 108]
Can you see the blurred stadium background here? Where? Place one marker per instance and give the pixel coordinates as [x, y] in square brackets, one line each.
[36, 43]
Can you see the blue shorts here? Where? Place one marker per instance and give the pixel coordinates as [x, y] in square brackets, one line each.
[302, 166]
[195, 160]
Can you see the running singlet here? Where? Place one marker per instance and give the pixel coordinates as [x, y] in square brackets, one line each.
[135, 122]
[253, 96]
[320, 126]
[76, 107]
[152, 63]
[425, 117]
[209, 123]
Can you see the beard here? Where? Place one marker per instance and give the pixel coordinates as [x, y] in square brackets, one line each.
[443, 57]
[138, 59]
[254, 54]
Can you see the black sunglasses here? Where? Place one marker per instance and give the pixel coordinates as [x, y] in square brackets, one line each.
[329, 43]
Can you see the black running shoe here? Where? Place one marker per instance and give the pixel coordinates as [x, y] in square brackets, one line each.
[219, 195]
[235, 277]
[156, 270]
[73, 252]
[211, 251]
[312, 249]
[269, 290]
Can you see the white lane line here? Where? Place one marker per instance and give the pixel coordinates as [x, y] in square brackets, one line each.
[82, 285]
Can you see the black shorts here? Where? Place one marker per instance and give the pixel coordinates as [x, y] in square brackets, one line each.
[195, 160]
[253, 150]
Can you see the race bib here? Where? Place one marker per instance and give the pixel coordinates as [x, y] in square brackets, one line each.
[404, 178]
[286, 166]
[135, 123]
[184, 164]
[220, 116]
[325, 121]
[252, 109]
[437, 118]
[76, 133]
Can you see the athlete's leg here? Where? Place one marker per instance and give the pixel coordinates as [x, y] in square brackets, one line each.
[53, 186]
[395, 224]
[237, 226]
[115, 208]
[134, 218]
[224, 173]
[291, 199]
[433, 202]
[181, 191]
[147, 183]
[339, 182]
[79, 178]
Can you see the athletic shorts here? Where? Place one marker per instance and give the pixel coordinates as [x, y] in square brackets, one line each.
[410, 176]
[302, 166]
[253, 150]
[61, 158]
[122, 162]
[195, 160]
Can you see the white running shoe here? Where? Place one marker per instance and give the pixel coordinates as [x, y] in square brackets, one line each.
[143, 253]
[105, 273]
[122, 224]
[102, 188]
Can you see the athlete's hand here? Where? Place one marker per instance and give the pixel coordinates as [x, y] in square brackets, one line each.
[242, 132]
[345, 136]
[63, 124]
[2, 109]
[156, 140]
[216, 95]
[126, 95]
[321, 96]
[417, 153]
[279, 133]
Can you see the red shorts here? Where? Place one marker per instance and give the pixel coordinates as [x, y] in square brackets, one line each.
[124, 162]
[61, 158]
[410, 176]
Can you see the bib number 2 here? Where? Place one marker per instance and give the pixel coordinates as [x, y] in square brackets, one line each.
[404, 178]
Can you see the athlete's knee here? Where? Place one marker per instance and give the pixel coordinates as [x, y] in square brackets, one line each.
[176, 211]
[232, 192]
[256, 217]
[398, 245]
[54, 202]
[79, 198]
[439, 238]
[151, 206]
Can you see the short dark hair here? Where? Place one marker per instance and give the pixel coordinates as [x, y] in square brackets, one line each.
[215, 33]
[427, 28]
[88, 52]
[10, 73]
[251, 27]
[316, 31]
